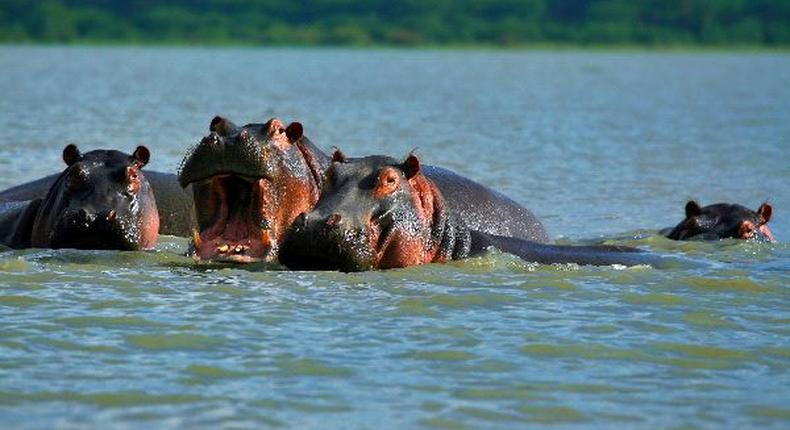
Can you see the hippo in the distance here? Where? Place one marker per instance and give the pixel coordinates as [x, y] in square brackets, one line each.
[378, 213]
[102, 200]
[723, 221]
[251, 182]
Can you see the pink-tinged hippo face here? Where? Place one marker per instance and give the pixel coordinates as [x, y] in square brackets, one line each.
[249, 184]
[101, 201]
[723, 221]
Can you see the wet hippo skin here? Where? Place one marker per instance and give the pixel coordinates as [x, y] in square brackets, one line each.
[378, 213]
[102, 200]
[251, 182]
[175, 205]
[723, 221]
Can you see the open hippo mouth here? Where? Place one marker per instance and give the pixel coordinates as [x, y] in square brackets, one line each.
[233, 226]
[249, 183]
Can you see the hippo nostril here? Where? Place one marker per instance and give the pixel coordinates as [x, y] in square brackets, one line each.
[300, 220]
[333, 220]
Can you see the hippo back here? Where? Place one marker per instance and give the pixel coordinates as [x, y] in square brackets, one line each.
[484, 209]
[16, 222]
[36, 189]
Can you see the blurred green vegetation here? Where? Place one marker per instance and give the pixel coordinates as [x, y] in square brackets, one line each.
[406, 22]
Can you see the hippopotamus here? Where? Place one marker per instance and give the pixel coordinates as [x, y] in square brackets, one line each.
[102, 200]
[379, 213]
[723, 221]
[174, 204]
[251, 182]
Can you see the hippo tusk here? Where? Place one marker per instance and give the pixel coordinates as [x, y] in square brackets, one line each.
[196, 239]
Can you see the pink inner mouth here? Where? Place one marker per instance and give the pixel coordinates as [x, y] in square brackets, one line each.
[235, 234]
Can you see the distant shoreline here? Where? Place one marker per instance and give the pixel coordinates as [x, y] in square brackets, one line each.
[537, 47]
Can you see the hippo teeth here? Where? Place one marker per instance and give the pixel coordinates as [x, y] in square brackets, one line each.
[234, 228]
[196, 239]
[237, 249]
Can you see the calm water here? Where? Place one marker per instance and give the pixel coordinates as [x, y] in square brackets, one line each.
[603, 146]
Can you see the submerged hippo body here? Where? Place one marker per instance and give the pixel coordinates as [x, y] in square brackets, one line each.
[102, 200]
[251, 182]
[723, 221]
[174, 204]
[378, 213]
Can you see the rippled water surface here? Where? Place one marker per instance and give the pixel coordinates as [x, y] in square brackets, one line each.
[602, 146]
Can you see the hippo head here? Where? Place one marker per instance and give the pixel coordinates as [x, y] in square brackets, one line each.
[722, 221]
[249, 183]
[101, 201]
[374, 213]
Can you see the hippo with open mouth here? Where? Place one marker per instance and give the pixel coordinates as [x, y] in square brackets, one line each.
[251, 182]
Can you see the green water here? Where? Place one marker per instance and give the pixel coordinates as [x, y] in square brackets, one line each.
[605, 147]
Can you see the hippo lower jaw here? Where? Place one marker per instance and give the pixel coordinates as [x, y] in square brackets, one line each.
[237, 230]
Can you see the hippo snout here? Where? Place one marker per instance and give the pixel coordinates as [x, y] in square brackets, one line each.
[317, 223]
[301, 221]
[320, 242]
[86, 218]
[80, 219]
[83, 216]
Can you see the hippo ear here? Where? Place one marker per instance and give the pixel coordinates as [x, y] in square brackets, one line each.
[71, 154]
[294, 131]
[692, 209]
[338, 156]
[765, 212]
[411, 167]
[222, 126]
[141, 155]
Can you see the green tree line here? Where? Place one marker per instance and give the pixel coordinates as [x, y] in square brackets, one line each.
[406, 22]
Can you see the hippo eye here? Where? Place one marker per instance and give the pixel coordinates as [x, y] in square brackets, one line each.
[390, 178]
[387, 183]
[133, 179]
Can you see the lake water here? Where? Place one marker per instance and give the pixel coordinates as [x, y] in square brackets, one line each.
[603, 146]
